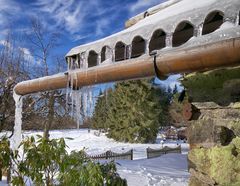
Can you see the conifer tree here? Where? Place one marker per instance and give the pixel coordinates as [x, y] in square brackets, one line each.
[132, 112]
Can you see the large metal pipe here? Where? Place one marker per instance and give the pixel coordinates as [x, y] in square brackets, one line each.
[201, 58]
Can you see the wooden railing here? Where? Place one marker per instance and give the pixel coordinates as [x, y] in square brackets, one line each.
[109, 155]
[152, 153]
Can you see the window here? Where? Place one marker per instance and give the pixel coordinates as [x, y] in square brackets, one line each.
[92, 59]
[182, 33]
[138, 47]
[120, 51]
[158, 40]
[212, 22]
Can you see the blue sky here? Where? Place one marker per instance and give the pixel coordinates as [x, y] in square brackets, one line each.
[78, 21]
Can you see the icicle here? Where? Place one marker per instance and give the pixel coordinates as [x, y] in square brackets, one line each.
[16, 138]
[75, 107]
[146, 46]
[99, 59]
[90, 101]
[238, 19]
[69, 82]
[71, 93]
[82, 99]
[81, 61]
[113, 55]
[125, 52]
[67, 86]
[84, 102]
[109, 54]
[169, 40]
[78, 113]
[129, 51]
[199, 31]
[17, 130]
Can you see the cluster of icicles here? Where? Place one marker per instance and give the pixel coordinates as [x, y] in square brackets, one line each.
[79, 100]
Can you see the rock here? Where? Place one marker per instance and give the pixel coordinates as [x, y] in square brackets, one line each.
[214, 129]
[202, 178]
[193, 181]
[220, 163]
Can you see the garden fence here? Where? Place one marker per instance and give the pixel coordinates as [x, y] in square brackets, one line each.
[109, 155]
[152, 153]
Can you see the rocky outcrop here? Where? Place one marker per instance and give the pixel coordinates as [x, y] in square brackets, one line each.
[214, 126]
[219, 165]
[214, 129]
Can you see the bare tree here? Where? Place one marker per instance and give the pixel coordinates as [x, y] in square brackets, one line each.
[43, 42]
[13, 69]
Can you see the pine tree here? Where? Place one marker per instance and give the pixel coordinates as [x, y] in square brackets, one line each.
[132, 112]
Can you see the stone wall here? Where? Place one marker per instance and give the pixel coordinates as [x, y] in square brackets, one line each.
[214, 130]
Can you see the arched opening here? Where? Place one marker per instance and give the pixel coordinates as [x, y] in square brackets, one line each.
[182, 33]
[73, 62]
[78, 60]
[120, 51]
[138, 47]
[158, 40]
[212, 22]
[92, 59]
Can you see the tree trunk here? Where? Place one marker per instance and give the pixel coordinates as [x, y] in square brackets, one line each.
[50, 115]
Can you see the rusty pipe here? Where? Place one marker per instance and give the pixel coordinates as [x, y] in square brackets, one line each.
[201, 58]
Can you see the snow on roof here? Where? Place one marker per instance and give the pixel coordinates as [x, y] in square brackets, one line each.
[166, 19]
[150, 11]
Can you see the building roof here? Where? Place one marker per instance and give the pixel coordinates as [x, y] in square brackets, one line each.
[167, 18]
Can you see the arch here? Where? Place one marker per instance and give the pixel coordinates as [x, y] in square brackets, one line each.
[183, 32]
[73, 62]
[138, 47]
[120, 51]
[212, 22]
[92, 59]
[158, 40]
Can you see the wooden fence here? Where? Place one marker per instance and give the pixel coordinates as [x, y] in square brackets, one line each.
[152, 153]
[109, 155]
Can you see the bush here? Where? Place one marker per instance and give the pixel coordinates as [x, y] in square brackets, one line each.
[79, 170]
[46, 162]
[4, 155]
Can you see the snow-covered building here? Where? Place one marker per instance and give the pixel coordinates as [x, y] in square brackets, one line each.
[183, 35]
[173, 25]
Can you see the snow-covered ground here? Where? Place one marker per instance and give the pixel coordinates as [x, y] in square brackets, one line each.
[167, 170]
[170, 169]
